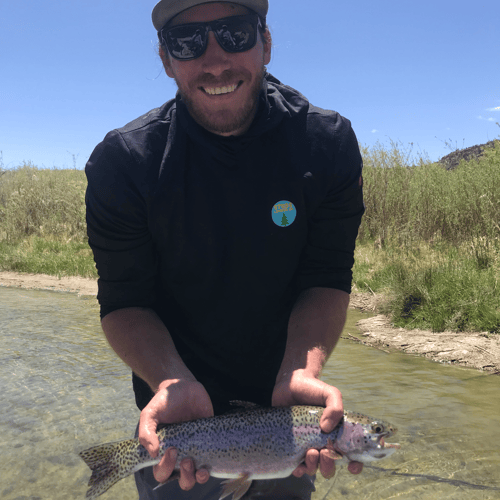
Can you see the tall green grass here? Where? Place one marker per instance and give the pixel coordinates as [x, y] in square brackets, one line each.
[42, 202]
[411, 202]
[433, 286]
[48, 256]
[42, 222]
[429, 240]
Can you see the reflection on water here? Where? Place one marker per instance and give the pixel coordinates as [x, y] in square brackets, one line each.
[63, 390]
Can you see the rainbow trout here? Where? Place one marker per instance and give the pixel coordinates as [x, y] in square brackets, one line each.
[256, 443]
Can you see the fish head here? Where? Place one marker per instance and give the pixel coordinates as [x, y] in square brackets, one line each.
[362, 438]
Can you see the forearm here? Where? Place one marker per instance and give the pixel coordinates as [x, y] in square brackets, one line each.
[314, 328]
[142, 341]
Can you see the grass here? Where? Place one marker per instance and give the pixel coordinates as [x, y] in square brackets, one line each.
[437, 287]
[42, 222]
[46, 256]
[42, 202]
[429, 241]
[408, 203]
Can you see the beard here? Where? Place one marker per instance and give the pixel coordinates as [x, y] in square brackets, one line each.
[224, 120]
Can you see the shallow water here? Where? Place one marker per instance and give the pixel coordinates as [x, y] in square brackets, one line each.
[63, 390]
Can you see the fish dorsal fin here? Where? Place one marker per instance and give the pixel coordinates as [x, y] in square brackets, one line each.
[241, 407]
[237, 487]
[248, 405]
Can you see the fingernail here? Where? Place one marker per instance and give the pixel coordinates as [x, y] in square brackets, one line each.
[188, 466]
[172, 454]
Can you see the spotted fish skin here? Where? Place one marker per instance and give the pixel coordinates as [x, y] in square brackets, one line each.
[257, 443]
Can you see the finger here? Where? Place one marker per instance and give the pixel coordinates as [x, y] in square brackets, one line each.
[164, 469]
[355, 467]
[300, 470]
[202, 476]
[326, 464]
[187, 479]
[311, 461]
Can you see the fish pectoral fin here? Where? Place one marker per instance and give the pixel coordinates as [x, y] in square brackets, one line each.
[237, 487]
[176, 474]
[334, 454]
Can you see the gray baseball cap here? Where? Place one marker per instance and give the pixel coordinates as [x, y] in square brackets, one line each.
[167, 9]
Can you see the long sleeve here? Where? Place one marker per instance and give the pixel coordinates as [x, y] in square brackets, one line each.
[328, 256]
[117, 228]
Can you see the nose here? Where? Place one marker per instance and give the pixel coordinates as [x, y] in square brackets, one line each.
[215, 60]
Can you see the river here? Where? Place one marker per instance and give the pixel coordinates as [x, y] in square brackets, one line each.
[63, 390]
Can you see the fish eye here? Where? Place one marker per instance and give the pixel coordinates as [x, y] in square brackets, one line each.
[377, 428]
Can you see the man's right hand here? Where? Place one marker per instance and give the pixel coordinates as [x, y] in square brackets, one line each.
[176, 401]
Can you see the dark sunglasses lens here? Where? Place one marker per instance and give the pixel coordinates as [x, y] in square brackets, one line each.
[236, 35]
[185, 42]
[189, 41]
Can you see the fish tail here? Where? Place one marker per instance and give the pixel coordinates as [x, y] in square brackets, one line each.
[111, 462]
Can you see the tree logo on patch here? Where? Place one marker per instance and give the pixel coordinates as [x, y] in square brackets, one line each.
[284, 213]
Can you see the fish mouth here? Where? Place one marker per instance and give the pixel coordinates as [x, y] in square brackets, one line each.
[384, 449]
[383, 444]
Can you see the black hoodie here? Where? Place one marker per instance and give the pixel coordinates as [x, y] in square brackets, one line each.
[219, 235]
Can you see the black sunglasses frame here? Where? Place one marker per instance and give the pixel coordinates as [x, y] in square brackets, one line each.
[214, 26]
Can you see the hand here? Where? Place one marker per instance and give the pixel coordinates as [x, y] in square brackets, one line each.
[301, 388]
[175, 401]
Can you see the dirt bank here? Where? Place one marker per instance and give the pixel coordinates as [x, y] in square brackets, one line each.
[81, 286]
[479, 350]
[473, 350]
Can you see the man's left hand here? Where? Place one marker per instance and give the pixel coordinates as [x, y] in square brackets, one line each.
[300, 388]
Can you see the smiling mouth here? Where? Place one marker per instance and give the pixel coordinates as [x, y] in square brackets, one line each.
[220, 90]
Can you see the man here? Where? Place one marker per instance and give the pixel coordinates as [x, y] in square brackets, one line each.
[223, 226]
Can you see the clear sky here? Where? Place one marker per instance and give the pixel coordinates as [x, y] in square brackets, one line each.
[424, 72]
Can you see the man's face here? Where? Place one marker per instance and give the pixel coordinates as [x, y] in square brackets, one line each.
[238, 76]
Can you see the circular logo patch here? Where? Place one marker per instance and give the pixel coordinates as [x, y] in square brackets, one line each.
[284, 213]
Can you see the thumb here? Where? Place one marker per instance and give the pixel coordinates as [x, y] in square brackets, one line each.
[333, 412]
[147, 435]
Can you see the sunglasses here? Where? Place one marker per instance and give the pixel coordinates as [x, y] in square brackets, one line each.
[189, 41]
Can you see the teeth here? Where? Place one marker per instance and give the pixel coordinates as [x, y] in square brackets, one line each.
[220, 90]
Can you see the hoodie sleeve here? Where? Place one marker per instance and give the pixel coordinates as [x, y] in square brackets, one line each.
[328, 256]
[117, 228]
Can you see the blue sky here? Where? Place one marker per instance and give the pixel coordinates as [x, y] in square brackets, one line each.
[424, 72]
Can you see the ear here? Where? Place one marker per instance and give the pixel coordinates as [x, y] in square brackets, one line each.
[268, 42]
[167, 64]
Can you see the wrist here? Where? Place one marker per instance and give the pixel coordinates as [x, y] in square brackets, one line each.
[168, 382]
[308, 364]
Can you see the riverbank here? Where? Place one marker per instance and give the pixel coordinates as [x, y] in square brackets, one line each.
[480, 351]
[29, 281]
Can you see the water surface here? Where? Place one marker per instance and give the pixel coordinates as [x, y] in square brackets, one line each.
[63, 389]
